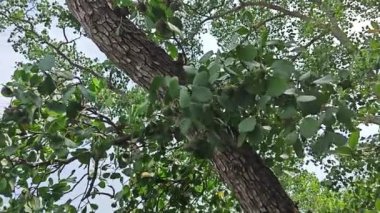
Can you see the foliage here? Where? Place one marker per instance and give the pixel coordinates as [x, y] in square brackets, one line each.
[289, 87]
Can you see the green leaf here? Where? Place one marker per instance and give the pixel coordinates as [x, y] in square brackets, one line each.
[69, 143]
[291, 138]
[174, 87]
[241, 139]
[184, 98]
[344, 115]
[47, 63]
[47, 87]
[246, 53]
[322, 145]
[6, 92]
[247, 125]
[65, 74]
[201, 94]
[376, 89]
[56, 106]
[353, 140]
[3, 185]
[115, 175]
[324, 80]
[94, 206]
[306, 98]
[308, 127]
[277, 86]
[174, 28]
[177, 22]
[185, 125]
[214, 70]
[376, 26]
[298, 149]
[201, 79]
[305, 76]
[73, 109]
[344, 150]
[206, 57]
[10, 150]
[377, 204]
[337, 138]
[87, 94]
[3, 140]
[283, 68]
[288, 112]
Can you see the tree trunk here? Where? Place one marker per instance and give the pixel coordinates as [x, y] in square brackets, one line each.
[254, 184]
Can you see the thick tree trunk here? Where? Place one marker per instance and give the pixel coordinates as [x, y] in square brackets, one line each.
[255, 185]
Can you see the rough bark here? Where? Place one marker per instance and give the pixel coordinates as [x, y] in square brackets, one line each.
[255, 185]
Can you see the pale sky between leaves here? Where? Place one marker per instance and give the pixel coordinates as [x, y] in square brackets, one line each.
[8, 59]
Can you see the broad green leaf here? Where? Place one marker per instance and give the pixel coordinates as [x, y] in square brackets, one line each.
[201, 94]
[184, 98]
[206, 57]
[344, 150]
[68, 92]
[288, 112]
[324, 80]
[322, 145]
[299, 149]
[283, 68]
[10, 150]
[247, 125]
[241, 139]
[376, 26]
[56, 106]
[214, 70]
[309, 127]
[377, 204]
[154, 87]
[46, 63]
[69, 143]
[277, 86]
[174, 87]
[291, 138]
[305, 76]
[337, 138]
[185, 125]
[177, 22]
[246, 53]
[65, 74]
[87, 94]
[174, 28]
[6, 92]
[376, 89]
[73, 109]
[47, 87]
[306, 98]
[242, 30]
[3, 140]
[3, 185]
[353, 140]
[201, 79]
[344, 115]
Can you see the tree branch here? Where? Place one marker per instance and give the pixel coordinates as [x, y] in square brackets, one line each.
[259, 4]
[334, 28]
[43, 163]
[312, 41]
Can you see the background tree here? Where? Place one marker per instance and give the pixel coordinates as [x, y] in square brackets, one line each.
[290, 80]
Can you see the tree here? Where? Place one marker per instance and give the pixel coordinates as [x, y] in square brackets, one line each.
[285, 84]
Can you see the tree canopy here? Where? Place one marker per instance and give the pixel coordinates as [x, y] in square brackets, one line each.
[162, 126]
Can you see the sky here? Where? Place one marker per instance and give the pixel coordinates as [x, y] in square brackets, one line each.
[8, 59]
